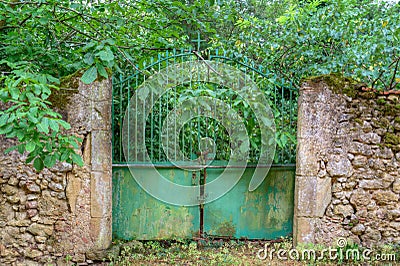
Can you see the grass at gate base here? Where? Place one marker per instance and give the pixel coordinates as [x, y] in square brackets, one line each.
[223, 252]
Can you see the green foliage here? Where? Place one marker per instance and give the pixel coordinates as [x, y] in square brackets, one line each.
[31, 120]
[356, 38]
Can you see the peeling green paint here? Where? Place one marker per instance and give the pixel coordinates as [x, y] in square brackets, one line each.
[137, 215]
[266, 213]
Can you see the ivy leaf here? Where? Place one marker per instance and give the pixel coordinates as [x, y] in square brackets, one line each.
[43, 126]
[14, 91]
[90, 75]
[3, 119]
[12, 148]
[88, 59]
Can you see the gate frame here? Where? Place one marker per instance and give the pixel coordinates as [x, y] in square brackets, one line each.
[104, 193]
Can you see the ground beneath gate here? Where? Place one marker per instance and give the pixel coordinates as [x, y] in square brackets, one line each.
[230, 252]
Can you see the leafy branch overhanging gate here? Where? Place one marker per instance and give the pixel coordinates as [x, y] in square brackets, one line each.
[265, 213]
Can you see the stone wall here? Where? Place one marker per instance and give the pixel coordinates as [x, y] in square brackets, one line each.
[348, 164]
[65, 210]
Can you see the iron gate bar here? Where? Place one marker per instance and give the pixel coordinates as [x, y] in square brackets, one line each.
[197, 166]
[124, 85]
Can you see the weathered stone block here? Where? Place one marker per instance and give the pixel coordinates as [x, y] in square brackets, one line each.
[101, 232]
[344, 210]
[307, 160]
[56, 186]
[371, 235]
[73, 189]
[396, 185]
[383, 197]
[369, 138]
[313, 196]
[380, 182]
[9, 190]
[358, 229]
[359, 161]
[339, 166]
[304, 230]
[360, 148]
[100, 195]
[360, 198]
[101, 151]
[32, 187]
[40, 229]
[101, 116]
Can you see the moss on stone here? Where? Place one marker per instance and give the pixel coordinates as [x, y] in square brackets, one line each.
[338, 83]
[68, 86]
[383, 122]
[397, 119]
[391, 138]
[359, 121]
[381, 101]
[389, 109]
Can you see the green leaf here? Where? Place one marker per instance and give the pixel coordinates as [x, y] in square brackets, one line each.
[74, 144]
[64, 124]
[30, 146]
[43, 126]
[21, 148]
[64, 155]
[90, 75]
[50, 160]
[20, 134]
[7, 129]
[77, 159]
[53, 125]
[3, 119]
[38, 164]
[12, 148]
[102, 71]
[31, 118]
[14, 91]
[88, 58]
[106, 55]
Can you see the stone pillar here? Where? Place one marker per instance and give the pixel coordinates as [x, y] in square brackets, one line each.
[312, 186]
[89, 112]
[101, 163]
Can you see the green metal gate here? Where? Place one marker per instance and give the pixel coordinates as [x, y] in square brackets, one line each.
[264, 213]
